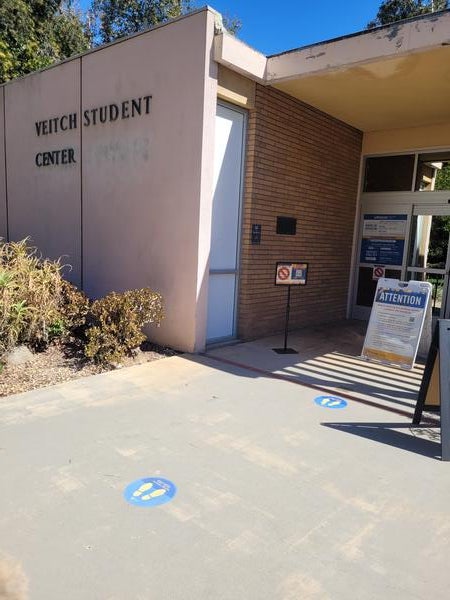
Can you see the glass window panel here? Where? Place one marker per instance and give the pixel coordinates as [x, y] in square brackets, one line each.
[367, 285]
[437, 288]
[433, 172]
[429, 241]
[221, 296]
[389, 173]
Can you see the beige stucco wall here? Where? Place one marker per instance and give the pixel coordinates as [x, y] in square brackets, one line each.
[44, 202]
[235, 88]
[135, 209]
[3, 225]
[401, 140]
[205, 207]
[142, 176]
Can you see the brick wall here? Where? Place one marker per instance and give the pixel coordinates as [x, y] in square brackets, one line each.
[300, 163]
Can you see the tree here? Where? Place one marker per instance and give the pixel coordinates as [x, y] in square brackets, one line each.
[114, 19]
[443, 177]
[391, 11]
[36, 33]
[231, 23]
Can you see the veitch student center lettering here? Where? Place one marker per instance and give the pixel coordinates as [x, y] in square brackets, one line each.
[184, 160]
[102, 114]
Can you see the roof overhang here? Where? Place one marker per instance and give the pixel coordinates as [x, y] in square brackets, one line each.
[390, 77]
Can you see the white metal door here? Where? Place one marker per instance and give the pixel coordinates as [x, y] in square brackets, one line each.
[224, 256]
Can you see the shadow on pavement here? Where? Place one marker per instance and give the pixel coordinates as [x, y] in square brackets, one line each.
[419, 440]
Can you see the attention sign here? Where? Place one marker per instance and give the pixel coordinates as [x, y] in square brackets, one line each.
[291, 273]
[396, 322]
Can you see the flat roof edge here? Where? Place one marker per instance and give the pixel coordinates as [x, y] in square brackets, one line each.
[407, 37]
[428, 16]
[240, 57]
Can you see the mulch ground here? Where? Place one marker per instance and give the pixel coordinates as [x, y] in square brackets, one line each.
[61, 363]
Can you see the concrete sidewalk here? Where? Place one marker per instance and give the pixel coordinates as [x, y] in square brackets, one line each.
[329, 357]
[278, 498]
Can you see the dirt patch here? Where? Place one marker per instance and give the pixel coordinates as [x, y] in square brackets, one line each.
[64, 362]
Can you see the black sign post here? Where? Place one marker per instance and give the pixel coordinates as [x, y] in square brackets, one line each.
[444, 382]
[289, 274]
[438, 358]
[285, 349]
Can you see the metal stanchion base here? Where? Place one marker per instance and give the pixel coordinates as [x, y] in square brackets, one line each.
[285, 350]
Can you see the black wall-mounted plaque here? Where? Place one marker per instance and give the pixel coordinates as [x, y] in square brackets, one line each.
[256, 234]
[286, 225]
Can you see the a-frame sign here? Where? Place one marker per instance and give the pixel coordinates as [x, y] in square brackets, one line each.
[434, 393]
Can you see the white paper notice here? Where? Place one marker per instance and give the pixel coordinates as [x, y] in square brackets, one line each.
[396, 322]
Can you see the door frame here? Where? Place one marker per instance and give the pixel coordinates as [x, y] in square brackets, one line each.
[237, 270]
[434, 209]
[395, 203]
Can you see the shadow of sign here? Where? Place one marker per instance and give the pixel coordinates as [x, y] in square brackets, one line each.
[424, 441]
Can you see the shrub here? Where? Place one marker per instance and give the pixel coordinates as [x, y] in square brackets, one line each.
[29, 296]
[38, 305]
[74, 306]
[115, 323]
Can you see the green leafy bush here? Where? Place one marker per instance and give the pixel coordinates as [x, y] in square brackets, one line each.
[29, 296]
[115, 323]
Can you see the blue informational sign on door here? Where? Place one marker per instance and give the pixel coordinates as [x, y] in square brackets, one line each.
[330, 402]
[151, 491]
[383, 239]
[383, 252]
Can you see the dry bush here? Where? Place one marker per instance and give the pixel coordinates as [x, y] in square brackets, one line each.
[38, 305]
[74, 306]
[116, 322]
[30, 290]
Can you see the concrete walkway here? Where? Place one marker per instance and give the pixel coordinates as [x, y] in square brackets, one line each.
[278, 498]
[329, 357]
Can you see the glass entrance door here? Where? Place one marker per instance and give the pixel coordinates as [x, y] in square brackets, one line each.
[428, 256]
[405, 226]
[382, 251]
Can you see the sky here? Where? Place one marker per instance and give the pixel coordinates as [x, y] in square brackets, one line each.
[278, 25]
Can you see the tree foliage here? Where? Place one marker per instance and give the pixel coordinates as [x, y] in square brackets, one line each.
[391, 11]
[443, 177]
[232, 24]
[36, 33]
[114, 19]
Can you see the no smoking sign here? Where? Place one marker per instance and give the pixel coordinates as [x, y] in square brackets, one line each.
[378, 273]
[291, 273]
[283, 273]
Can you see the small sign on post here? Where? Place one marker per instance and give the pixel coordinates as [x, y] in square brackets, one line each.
[289, 273]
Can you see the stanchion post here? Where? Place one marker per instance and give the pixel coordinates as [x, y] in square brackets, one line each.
[426, 377]
[444, 366]
[288, 309]
[288, 274]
